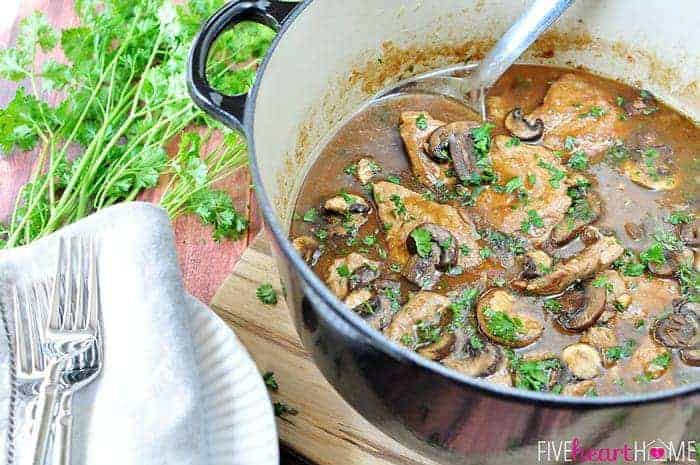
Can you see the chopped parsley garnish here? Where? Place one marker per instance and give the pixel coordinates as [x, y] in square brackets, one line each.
[464, 250]
[681, 217]
[570, 143]
[461, 306]
[485, 253]
[395, 267]
[602, 281]
[594, 112]
[578, 161]
[533, 375]
[476, 343]
[620, 352]
[620, 101]
[482, 138]
[592, 392]
[513, 185]
[399, 207]
[270, 381]
[650, 156]
[321, 234]
[617, 153]
[654, 254]
[347, 197]
[311, 215]
[427, 333]
[502, 325]
[282, 409]
[343, 271]
[552, 306]
[369, 240]
[531, 179]
[533, 220]
[513, 142]
[422, 122]
[423, 240]
[266, 294]
[663, 360]
[557, 175]
[633, 269]
[351, 169]
[504, 243]
[392, 178]
[689, 278]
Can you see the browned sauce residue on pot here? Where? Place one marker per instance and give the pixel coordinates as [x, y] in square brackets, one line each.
[565, 260]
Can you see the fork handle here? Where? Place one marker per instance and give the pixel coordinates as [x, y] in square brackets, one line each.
[63, 435]
[49, 395]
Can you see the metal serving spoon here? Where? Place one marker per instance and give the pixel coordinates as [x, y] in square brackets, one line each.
[471, 89]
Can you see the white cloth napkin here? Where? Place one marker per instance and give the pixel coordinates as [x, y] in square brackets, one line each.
[144, 408]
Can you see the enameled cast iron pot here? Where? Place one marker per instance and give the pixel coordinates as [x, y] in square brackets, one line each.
[329, 57]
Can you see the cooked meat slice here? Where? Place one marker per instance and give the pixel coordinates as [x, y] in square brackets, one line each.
[579, 389]
[681, 328]
[402, 210]
[542, 178]
[582, 307]
[589, 261]
[582, 360]
[496, 108]
[535, 263]
[415, 128]
[501, 318]
[422, 324]
[367, 168]
[308, 248]
[576, 107]
[650, 359]
[341, 271]
[586, 208]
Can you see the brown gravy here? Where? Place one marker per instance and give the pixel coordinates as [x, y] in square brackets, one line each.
[635, 215]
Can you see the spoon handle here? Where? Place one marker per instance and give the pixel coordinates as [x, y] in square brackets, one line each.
[536, 18]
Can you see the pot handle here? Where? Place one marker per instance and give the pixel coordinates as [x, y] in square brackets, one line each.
[228, 109]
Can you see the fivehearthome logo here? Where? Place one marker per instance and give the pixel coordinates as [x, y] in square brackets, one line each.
[656, 450]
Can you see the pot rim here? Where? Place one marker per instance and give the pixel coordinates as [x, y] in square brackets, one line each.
[378, 340]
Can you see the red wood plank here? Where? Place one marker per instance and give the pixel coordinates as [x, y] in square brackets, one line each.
[205, 264]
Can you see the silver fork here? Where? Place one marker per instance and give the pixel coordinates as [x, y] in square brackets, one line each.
[71, 332]
[28, 365]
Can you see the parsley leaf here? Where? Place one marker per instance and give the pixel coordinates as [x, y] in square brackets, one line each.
[422, 238]
[502, 325]
[266, 294]
[270, 381]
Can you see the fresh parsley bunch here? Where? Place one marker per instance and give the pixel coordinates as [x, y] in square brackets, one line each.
[122, 99]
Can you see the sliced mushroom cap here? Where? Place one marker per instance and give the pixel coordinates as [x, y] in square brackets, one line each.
[443, 238]
[534, 264]
[582, 307]
[346, 203]
[569, 228]
[499, 320]
[422, 271]
[645, 103]
[521, 128]
[673, 259]
[480, 362]
[582, 360]
[691, 357]
[359, 301]
[681, 328]
[308, 248]
[579, 389]
[362, 277]
[690, 233]
[438, 146]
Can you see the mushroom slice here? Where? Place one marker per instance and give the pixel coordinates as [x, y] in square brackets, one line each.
[341, 271]
[673, 259]
[534, 264]
[681, 328]
[422, 325]
[644, 104]
[690, 233]
[443, 238]
[367, 168]
[478, 362]
[521, 128]
[579, 389]
[583, 361]
[582, 213]
[499, 320]
[691, 357]
[653, 359]
[363, 276]
[438, 146]
[359, 302]
[582, 307]
[347, 204]
[422, 271]
[308, 248]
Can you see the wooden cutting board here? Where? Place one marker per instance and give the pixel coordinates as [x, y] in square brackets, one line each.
[326, 430]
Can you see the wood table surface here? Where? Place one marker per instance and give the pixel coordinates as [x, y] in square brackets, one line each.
[205, 264]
